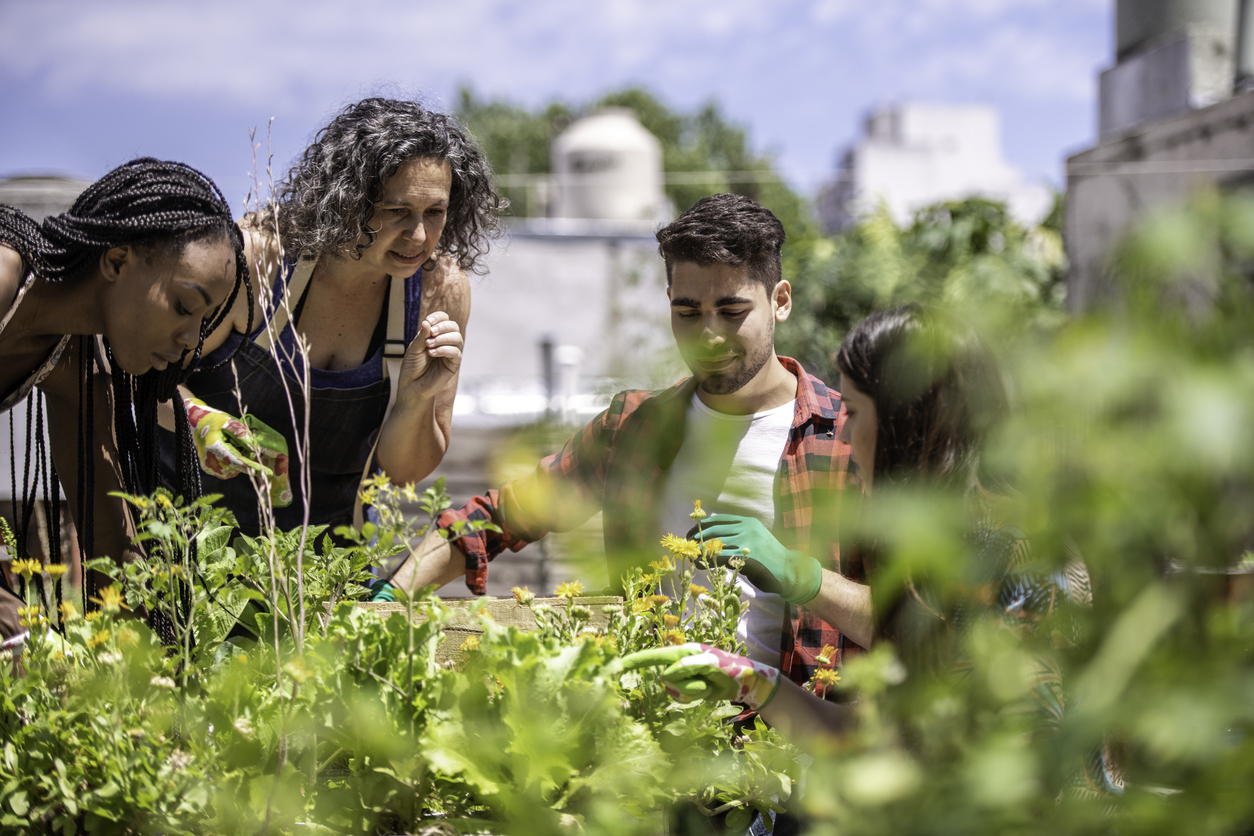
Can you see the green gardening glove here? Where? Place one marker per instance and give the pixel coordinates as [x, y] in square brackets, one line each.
[381, 592]
[703, 672]
[228, 447]
[793, 576]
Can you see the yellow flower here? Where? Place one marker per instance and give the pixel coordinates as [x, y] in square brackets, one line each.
[674, 637]
[641, 605]
[164, 501]
[670, 620]
[56, 570]
[679, 547]
[823, 679]
[409, 493]
[68, 613]
[570, 590]
[648, 578]
[658, 600]
[662, 566]
[698, 589]
[24, 567]
[110, 599]
[297, 669]
[30, 616]
[697, 513]
[471, 643]
[92, 616]
[523, 595]
[712, 548]
[99, 639]
[827, 655]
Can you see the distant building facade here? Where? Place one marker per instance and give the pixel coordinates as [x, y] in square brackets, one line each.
[574, 305]
[1176, 113]
[917, 154]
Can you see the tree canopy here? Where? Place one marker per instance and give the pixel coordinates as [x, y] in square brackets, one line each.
[517, 141]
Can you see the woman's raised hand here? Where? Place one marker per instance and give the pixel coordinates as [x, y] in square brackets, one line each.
[432, 359]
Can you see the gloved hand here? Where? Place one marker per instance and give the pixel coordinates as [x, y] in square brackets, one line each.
[224, 445]
[794, 576]
[703, 672]
[382, 592]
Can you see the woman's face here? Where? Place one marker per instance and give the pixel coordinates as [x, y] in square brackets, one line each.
[409, 217]
[155, 301]
[860, 429]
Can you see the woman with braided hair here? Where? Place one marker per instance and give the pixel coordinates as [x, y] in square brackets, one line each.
[145, 259]
[363, 257]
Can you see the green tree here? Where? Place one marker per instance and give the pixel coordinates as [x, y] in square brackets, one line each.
[969, 255]
[702, 142]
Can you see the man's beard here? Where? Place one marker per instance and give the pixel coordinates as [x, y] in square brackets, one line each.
[723, 384]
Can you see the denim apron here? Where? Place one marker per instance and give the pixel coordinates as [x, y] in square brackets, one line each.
[346, 411]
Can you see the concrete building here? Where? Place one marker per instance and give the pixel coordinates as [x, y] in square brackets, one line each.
[574, 305]
[1176, 113]
[916, 154]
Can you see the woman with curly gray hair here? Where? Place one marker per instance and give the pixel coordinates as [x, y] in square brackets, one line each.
[364, 257]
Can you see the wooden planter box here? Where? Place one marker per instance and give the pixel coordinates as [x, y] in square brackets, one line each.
[504, 611]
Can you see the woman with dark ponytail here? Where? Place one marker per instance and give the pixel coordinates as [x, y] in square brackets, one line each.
[146, 260]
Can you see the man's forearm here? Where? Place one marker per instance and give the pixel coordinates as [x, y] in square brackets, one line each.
[435, 561]
[846, 605]
[804, 719]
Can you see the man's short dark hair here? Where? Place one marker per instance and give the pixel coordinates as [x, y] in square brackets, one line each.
[726, 229]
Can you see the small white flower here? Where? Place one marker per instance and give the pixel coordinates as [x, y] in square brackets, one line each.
[243, 726]
[110, 657]
[180, 759]
[162, 682]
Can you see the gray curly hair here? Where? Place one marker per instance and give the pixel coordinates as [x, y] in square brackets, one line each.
[329, 194]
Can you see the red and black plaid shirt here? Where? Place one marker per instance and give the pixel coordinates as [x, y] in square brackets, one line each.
[618, 464]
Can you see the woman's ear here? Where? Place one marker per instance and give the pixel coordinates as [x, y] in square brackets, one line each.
[113, 262]
[781, 297]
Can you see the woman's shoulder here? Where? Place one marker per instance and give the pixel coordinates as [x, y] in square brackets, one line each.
[446, 287]
[262, 246]
[12, 274]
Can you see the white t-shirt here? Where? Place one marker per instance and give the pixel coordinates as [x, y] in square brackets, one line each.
[731, 464]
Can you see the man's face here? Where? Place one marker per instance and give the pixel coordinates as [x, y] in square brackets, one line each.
[724, 323]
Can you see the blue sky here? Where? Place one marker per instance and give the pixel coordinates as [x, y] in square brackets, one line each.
[86, 85]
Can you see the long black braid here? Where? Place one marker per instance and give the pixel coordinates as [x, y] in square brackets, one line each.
[144, 203]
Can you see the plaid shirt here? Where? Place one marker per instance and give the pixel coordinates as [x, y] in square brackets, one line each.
[618, 464]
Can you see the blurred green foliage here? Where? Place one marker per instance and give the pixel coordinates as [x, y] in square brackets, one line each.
[969, 255]
[1130, 450]
[517, 141]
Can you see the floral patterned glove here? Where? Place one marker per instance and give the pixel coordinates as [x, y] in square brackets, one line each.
[702, 671]
[224, 445]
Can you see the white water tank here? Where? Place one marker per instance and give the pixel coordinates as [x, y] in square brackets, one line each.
[608, 167]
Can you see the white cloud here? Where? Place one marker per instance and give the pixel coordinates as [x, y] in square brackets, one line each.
[794, 70]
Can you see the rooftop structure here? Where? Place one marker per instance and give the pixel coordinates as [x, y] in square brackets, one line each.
[917, 154]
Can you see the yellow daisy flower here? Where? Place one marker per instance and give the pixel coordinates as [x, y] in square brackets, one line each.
[570, 590]
[674, 637]
[110, 599]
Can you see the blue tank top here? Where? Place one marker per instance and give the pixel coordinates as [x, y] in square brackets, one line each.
[346, 411]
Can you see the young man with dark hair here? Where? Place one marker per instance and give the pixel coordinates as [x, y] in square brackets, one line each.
[750, 434]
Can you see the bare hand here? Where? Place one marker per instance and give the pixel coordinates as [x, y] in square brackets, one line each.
[433, 358]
